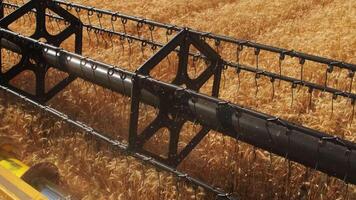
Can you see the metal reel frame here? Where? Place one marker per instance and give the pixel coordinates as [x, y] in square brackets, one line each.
[32, 61]
[171, 117]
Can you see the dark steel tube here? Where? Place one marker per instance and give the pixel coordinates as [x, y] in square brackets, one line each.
[311, 148]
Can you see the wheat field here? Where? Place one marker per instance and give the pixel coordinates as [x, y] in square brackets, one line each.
[91, 171]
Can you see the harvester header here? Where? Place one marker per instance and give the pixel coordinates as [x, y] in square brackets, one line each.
[179, 100]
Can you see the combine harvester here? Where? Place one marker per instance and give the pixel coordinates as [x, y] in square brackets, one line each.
[178, 100]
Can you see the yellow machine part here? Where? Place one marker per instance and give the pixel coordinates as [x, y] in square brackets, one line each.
[8, 162]
[14, 188]
[14, 166]
[20, 182]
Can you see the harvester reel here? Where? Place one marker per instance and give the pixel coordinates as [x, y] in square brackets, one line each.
[180, 100]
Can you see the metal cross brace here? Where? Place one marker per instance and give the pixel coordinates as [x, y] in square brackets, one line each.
[170, 116]
[31, 60]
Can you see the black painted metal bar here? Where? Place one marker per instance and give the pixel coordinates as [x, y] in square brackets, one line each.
[162, 53]
[245, 43]
[239, 67]
[314, 149]
[75, 28]
[285, 52]
[170, 117]
[1, 9]
[118, 146]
